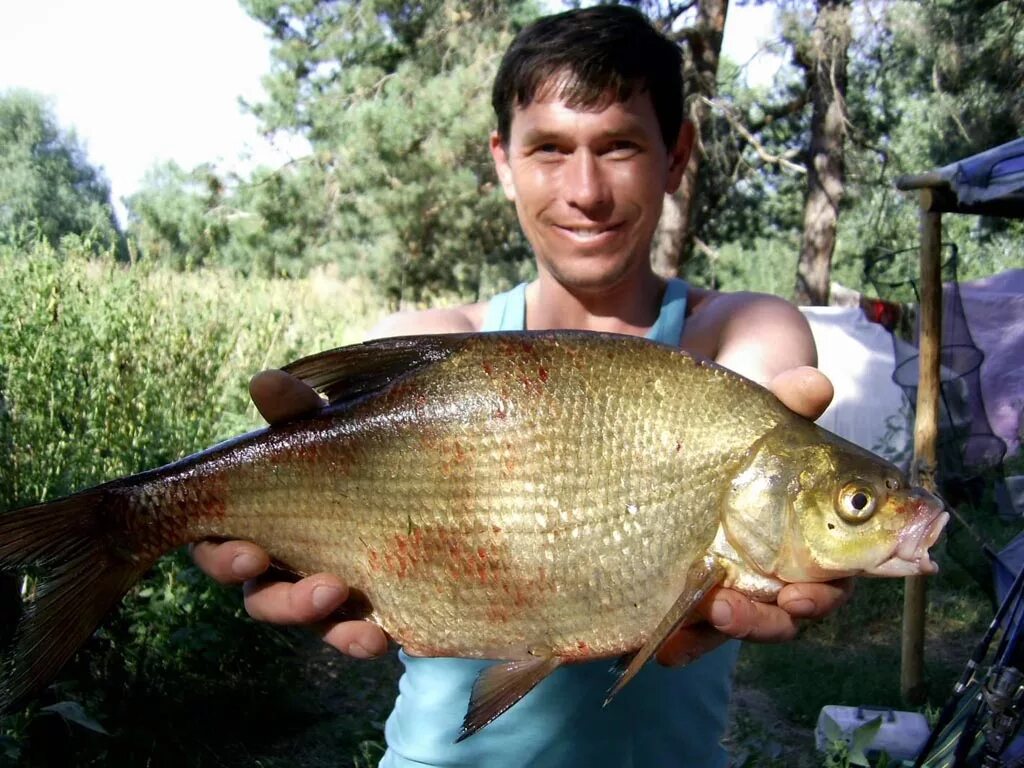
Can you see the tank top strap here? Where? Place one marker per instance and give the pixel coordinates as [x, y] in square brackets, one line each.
[507, 311]
[668, 328]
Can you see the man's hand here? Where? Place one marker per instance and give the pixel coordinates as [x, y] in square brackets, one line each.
[728, 613]
[280, 397]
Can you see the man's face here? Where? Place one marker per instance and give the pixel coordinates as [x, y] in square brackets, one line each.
[588, 185]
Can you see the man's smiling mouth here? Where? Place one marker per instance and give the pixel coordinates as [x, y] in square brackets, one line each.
[586, 234]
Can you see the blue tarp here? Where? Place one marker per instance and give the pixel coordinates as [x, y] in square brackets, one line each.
[995, 174]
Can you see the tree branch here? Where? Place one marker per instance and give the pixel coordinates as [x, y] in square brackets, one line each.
[734, 122]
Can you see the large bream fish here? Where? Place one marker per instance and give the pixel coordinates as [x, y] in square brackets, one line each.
[535, 498]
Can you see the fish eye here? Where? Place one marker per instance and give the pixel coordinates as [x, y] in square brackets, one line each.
[856, 503]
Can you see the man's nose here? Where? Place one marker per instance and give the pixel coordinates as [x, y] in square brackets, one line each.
[586, 186]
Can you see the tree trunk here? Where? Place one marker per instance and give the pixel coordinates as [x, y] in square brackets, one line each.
[674, 240]
[825, 174]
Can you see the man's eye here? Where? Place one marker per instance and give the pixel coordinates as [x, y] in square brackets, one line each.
[623, 149]
[548, 149]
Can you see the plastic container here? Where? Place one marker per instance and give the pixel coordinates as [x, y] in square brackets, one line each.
[902, 735]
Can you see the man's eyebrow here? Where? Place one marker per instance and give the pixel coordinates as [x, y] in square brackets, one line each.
[630, 130]
[542, 136]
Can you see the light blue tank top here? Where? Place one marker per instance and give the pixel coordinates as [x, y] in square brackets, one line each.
[663, 717]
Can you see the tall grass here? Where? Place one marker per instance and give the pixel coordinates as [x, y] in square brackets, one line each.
[107, 370]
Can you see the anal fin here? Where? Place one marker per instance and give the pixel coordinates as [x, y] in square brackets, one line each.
[702, 576]
[500, 686]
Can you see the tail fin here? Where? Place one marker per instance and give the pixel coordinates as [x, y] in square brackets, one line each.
[61, 576]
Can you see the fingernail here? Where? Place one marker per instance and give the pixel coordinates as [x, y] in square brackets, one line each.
[325, 597]
[721, 613]
[800, 607]
[245, 565]
[358, 651]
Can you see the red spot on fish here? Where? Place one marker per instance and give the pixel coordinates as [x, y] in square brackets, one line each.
[455, 456]
[514, 348]
[530, 384]
[497, 612]
[542, 372]
[495, 529]
[396, 565]
[488, 368]
[679, 447]
[481, 553]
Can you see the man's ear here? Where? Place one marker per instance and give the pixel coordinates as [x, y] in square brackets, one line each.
[499, 153]
[679, 156]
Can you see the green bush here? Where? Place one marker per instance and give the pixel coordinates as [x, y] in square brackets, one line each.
[106, 370]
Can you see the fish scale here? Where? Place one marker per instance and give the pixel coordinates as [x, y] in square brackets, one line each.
[539, 498]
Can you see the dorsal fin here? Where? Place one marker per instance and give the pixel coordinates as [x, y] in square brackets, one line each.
[346, 373]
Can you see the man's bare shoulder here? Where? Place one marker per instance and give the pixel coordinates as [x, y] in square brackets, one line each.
[756, 334]
[721, 307]
[468, 318]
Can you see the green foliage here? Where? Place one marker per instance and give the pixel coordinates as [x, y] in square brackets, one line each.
[750, 746]
[394, 99]
[276, 222]
[929, 83]
[398, 188]
[48, 189]
[107, 370]
[172, 219]
[845, 750]
[760, 264]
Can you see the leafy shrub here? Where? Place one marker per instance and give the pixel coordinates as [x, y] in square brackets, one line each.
[106, 370]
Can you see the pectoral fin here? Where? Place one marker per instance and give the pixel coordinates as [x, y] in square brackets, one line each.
[500, 686]
[702, 576]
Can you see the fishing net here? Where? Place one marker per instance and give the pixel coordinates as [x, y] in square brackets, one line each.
[967, 444]
[969, 454]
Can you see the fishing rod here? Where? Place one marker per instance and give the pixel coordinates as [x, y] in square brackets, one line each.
[997, 695]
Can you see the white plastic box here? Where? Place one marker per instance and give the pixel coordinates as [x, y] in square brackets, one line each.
[902, 735]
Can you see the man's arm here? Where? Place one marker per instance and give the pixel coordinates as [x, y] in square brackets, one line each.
[311, 601]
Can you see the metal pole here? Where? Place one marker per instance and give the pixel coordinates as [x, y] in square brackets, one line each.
[926, 430]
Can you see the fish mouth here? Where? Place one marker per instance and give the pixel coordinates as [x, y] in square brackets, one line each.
[911, 557]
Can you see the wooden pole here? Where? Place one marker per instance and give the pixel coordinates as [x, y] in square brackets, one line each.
[926, 430]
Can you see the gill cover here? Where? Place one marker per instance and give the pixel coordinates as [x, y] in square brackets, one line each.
[758, 505]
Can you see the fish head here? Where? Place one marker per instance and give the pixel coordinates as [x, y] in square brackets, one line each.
[810, 506]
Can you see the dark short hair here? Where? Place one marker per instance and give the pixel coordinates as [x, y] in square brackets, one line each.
[604, 53]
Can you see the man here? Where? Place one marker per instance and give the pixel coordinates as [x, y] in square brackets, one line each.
[590, 137]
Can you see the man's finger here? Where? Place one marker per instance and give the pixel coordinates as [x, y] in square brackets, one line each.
[231, 562]
[812, 601]
[736, 615]
[279, 396]
[805, 390]
[360, 639]
[310, 600]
